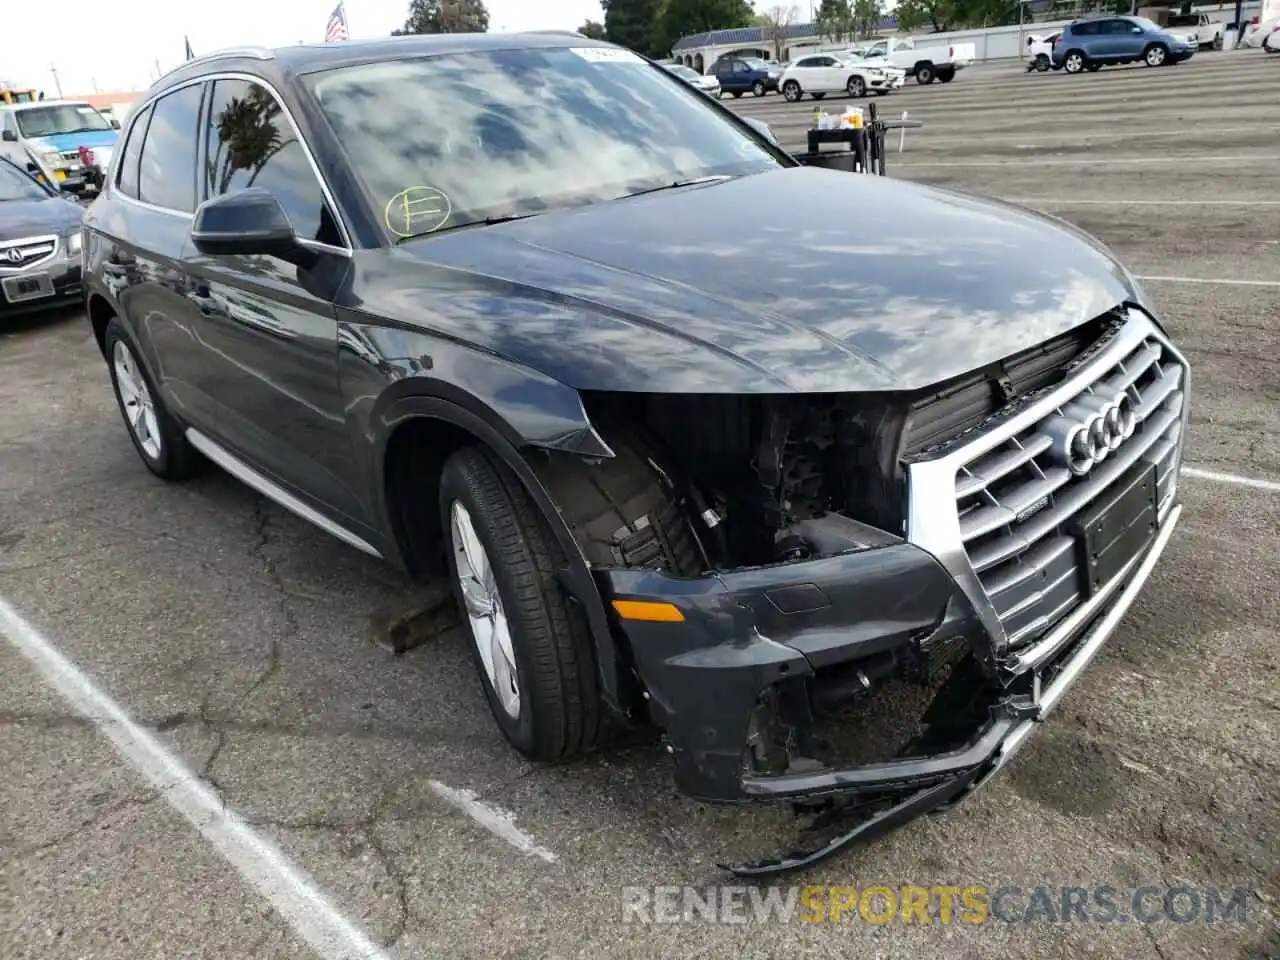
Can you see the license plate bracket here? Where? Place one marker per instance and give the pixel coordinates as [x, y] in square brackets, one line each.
[1118, 527]
[31, 286]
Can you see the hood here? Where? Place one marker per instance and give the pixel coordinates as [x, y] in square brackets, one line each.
[802, 279]
[67, 142]
[34, 218]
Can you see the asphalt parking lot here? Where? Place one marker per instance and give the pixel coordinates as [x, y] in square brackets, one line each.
[240, 642]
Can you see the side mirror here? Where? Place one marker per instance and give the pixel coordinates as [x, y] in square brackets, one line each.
[760, 127]
[248, 223]
[10, 136]
[115, 124]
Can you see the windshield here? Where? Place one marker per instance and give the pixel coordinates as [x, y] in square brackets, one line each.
[60, 118]
[16, 185]
[443, 142]
[755, 63]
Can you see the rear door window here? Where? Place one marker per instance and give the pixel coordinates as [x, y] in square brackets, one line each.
[167, 177]
[127, 174]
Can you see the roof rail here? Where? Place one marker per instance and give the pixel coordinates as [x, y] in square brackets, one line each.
[251, 53]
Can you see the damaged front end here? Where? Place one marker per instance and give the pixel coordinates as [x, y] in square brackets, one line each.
[892, 589]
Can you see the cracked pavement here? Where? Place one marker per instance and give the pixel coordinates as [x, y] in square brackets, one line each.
[246, 641]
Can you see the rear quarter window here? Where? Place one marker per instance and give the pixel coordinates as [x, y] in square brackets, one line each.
[127, 172]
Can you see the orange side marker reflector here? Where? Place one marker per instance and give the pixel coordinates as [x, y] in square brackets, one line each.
[648, 610]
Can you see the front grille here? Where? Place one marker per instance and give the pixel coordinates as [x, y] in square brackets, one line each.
[20, 254]
[1016, 500]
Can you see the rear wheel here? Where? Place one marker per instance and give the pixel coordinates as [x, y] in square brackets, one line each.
[946, 74]
[856, 87]
[156, 435]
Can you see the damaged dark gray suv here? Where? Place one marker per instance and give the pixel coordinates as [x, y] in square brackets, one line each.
[841, 506]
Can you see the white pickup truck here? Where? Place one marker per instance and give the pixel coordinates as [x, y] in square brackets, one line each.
[1197, 28]
[925, 63]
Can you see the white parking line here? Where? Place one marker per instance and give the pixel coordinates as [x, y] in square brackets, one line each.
[302, 904]
[1226, 280]
[498, 822]
[1121, 202]
[1088, 161]
[1231, 478]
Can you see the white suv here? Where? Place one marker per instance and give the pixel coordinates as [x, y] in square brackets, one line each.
[818, 74]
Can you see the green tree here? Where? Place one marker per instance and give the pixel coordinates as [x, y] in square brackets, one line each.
[865, 17]
[943, 15]
[631, 23]
[445, 16]
[592, 30]
[680, 18]
[835, 20]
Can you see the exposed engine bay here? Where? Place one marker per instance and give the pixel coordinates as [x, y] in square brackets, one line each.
[774, 478]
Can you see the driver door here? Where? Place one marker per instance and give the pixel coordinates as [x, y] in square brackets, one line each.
[269, 328]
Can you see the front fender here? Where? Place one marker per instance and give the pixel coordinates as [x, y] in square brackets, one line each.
[390, 375]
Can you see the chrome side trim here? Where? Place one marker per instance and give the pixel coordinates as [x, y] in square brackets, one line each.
[932, 521]
[273, 491]
[1052, 694]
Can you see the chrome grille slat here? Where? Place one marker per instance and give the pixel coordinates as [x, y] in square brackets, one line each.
[1077, 495]
[1029, 569]
[991, 468]
[31, 250]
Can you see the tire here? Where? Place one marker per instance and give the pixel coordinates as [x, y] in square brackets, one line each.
[1217, 42]
[1042, 63]
[924, 73]
[558, 712]
[818, 96]
[757, 89]
[856, 87]
[737, 94]
[946, 76]
[1074, 62]
[792, 92]
[156, 435]
[1155, 55]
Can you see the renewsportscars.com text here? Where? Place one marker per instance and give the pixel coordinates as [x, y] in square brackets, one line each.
[940, 903]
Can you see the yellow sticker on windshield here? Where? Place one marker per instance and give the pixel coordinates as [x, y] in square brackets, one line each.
[417, 210]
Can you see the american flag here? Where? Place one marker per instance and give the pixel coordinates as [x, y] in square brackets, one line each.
[336, 28]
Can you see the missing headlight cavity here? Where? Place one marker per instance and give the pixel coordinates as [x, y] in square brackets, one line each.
[725, 482]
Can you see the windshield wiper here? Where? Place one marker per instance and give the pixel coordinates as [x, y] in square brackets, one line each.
[692, 181]
[63, 133]
[486, 222]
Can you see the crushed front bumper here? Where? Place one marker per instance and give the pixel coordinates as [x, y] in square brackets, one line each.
[748, 630]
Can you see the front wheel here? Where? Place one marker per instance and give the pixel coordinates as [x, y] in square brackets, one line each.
[1156, 55]
[792, 92]
[856, 87]
[531, 649]
[757, 89]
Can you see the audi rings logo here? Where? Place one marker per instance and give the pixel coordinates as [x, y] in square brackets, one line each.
[14, 255]
[1091, 428]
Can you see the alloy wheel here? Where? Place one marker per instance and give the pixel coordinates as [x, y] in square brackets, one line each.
[490, 629]
[135, 399]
